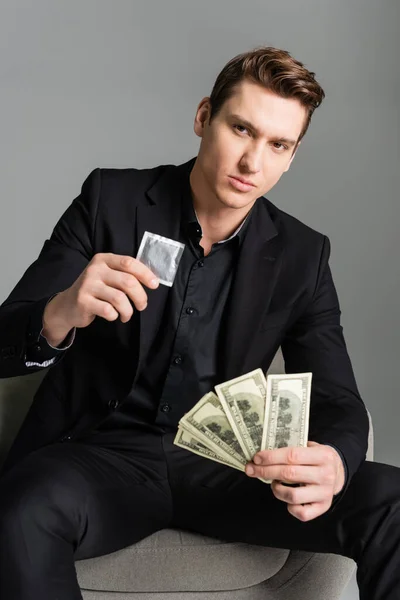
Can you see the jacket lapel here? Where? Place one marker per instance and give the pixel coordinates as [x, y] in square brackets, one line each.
[257, 271]
[162, 215]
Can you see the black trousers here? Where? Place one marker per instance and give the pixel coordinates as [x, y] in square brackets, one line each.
[77, 500]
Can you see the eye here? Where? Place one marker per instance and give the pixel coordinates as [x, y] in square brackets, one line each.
[240, 128]
[282, 146]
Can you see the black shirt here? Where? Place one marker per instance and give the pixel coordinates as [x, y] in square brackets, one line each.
[183, 362]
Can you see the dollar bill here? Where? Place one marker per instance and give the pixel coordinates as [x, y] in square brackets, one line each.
[250, 413]
[287, 415]
[243, 400]
[187, 440]
[209, 423]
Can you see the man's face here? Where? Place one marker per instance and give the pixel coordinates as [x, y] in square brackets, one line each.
[253, 137]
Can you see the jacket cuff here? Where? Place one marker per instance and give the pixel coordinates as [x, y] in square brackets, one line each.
[346, 470]
[65, 344]
[38, 352]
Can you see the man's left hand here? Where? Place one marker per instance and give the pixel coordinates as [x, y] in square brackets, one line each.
[317, 467]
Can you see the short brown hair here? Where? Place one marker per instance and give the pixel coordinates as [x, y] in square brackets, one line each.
[276, 71]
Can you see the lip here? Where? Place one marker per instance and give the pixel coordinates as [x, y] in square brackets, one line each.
[240, 184]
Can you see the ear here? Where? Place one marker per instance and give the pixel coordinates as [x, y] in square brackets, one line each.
[291, 160]
[202, 116]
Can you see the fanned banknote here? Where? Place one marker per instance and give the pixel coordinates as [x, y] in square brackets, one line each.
[187, 440]
[250, 413]
[243, 400]
[287, 415]
[209, 422]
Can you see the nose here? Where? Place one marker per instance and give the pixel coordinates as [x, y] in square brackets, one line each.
[252, 160]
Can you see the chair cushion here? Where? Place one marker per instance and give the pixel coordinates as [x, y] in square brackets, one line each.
[171, 560]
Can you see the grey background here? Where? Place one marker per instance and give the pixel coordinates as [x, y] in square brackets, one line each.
[116, 84]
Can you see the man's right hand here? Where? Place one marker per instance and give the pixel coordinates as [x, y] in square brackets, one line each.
[102, 290]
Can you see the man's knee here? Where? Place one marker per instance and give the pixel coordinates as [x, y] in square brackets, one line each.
[36, 502]
[369, 511]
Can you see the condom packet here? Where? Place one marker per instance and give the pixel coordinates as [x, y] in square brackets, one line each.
[162, 255]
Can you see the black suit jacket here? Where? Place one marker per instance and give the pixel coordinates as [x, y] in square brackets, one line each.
[283, 295]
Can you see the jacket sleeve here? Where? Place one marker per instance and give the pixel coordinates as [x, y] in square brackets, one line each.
[315, 343]
[62, 259]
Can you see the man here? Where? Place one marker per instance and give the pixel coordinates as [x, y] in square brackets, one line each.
[94, 467]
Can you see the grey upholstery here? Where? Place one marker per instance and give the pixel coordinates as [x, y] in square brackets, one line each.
[184, 566]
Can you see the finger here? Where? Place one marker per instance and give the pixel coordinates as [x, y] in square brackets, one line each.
[308, 511]
[290, 473]
[101, 309]
[312, 455]
[300, 495]
[131, 265]
[118, 300]
[128, 284]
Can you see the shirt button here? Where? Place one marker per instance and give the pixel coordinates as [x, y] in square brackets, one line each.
[113, 404]
[178, 360]
[165, 407]
[200, 263]
[189, 310]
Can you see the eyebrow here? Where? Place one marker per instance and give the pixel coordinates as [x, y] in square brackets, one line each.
[247, 123]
